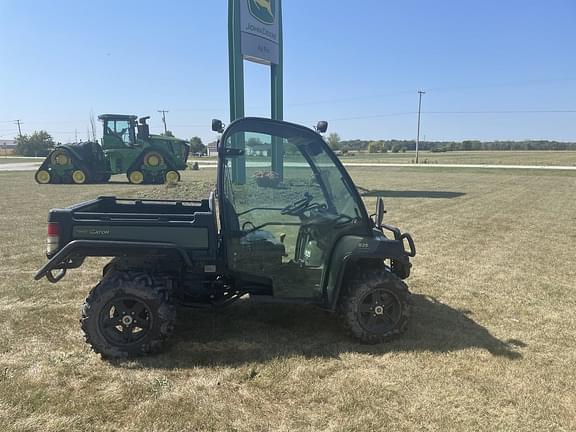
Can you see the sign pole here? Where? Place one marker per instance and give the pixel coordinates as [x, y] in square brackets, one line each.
[236, 85]
[277, 94]
[255, 34]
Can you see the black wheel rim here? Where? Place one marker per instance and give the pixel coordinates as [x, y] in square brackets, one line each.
[125, 321]
[379, 311]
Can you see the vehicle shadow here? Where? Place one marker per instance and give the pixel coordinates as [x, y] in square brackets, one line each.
[409, 194]
[247, 333]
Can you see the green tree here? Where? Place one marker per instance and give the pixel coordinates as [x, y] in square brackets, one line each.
[196, 145]
[334, 141]
[375, 147]
[396, 148]
[38, 144]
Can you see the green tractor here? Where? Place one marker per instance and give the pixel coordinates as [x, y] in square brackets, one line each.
[127, 147]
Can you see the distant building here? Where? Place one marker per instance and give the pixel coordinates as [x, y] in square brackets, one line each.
[212, 149]
[7, 146]
[257, 149]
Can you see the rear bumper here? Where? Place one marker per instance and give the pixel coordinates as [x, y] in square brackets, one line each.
[73, 254]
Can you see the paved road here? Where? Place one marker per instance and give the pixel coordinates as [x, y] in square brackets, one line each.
[19, 166]
[32, 166]
[536, 167]
[213, 164]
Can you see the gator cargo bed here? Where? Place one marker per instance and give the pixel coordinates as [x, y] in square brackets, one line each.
[188, 225]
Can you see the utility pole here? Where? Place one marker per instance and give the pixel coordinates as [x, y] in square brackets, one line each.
[164, 120]
[18, 122]
[420, 93]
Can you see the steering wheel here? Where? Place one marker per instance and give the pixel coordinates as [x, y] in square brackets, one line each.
[248, 225]
[297, 207]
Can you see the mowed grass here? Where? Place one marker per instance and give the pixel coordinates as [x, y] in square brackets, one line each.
[538, 158]
[556, 158]
[492, 344]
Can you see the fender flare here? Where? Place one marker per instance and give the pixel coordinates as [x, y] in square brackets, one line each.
[367, 249]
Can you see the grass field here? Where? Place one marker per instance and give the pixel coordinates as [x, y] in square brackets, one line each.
[562, 158]
[492, 344]
[556, 158]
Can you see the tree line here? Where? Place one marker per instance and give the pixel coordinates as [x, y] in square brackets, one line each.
[395, 146]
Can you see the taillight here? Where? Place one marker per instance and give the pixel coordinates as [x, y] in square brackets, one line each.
[53, 239]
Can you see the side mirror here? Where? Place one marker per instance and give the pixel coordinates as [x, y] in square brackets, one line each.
[322, 127]
[380, 212]
[217, 126]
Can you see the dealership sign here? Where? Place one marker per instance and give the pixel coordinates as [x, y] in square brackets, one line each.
[260, 31]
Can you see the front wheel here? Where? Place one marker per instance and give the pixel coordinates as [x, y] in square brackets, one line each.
[376, 307]
[128, 314]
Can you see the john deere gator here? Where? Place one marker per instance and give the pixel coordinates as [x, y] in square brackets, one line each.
[126, 147]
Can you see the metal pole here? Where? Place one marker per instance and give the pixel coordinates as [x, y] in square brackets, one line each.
[164, 120]
[420, 93]
[19, 129]
[277, 96]
[236, 61]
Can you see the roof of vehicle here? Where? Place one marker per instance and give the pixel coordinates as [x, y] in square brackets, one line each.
[117, 117]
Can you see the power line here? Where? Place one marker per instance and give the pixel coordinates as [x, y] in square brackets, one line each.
[455, 112]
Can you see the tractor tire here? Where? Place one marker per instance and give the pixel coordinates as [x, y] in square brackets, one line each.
[171, 177]
[128, 314]
[376, 307]
[43, 177]
[135, 177]
[61, 158]
[79, 176]
[153, 159]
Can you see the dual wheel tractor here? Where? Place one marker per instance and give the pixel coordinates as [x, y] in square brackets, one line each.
[127, 147]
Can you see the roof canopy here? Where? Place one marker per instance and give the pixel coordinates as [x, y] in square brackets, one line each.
[117, 117]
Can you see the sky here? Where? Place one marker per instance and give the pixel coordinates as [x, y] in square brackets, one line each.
[491, 69]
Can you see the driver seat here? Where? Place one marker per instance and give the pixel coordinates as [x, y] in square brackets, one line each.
[257, 241]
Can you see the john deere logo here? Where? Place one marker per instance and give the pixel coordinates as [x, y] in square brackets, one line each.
[263, 10]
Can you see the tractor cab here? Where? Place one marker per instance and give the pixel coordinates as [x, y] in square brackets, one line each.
[119, 131]
[285, 201]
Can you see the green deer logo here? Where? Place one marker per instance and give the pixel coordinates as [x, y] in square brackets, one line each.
[263, 10]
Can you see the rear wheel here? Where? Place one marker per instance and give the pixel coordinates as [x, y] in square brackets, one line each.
[128, 314]
[136, 177]
[42, 177]
[376, 308]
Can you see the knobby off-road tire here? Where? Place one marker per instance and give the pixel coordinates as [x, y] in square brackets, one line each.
[128, 314]
[375, 307]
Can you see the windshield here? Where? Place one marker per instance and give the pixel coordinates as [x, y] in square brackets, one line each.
[282, 165]
[122, 129]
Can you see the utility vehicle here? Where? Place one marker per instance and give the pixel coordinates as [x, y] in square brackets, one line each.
[127, 147]
[299, 234]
